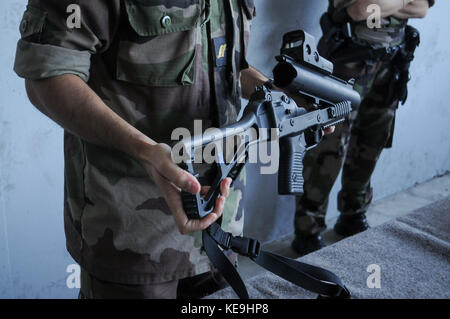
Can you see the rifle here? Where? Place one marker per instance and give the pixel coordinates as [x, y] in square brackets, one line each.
[301, 70]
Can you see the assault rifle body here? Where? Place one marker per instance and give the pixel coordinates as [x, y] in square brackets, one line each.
[300, 71]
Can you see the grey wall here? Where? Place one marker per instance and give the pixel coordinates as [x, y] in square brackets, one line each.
[33, 258]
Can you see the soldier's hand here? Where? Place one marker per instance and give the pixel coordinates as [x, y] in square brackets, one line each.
[171, 179]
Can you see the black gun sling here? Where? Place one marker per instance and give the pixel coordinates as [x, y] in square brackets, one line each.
[312, 278]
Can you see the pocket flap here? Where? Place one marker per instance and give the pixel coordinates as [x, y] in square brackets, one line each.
[157, 17]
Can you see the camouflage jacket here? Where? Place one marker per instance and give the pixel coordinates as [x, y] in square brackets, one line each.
[391, 33]
[159, 64]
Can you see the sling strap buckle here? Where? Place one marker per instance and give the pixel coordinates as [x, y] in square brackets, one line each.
[310, 277]
[244, 246]
[247, 247]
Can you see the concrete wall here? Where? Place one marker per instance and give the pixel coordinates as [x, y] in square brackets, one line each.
[33, 258]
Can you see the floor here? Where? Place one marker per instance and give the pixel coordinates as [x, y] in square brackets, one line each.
[381, 211]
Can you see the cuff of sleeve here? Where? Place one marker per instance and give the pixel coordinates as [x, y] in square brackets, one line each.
[40, 61]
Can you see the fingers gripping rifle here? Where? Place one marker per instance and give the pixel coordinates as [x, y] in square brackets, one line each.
[301, 71]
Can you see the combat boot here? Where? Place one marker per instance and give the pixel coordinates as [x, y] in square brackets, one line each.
[349, 225]
[304, 245]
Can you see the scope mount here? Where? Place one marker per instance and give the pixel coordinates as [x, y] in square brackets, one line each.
[301, 47]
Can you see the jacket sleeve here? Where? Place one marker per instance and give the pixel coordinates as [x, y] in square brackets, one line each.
[59, 36]
[339, 12]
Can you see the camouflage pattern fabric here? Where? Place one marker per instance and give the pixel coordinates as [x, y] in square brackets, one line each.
[94, 288]
[391, 32]
[196, 287]
[160, 65]
[356, 145]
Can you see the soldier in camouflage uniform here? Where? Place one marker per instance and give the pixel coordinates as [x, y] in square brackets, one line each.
[361, 139]
[119, 85]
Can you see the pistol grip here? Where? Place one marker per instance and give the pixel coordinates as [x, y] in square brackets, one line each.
[290, 174]
[190, 205]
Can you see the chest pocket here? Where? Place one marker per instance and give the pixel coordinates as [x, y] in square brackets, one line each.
[158, 45]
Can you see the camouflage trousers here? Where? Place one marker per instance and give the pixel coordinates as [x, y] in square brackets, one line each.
[356, 145]
[189, 288]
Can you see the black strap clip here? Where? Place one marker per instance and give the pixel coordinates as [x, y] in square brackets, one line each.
[245, 246]
[220, 237]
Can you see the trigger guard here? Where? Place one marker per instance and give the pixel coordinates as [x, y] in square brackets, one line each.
[313, 137]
